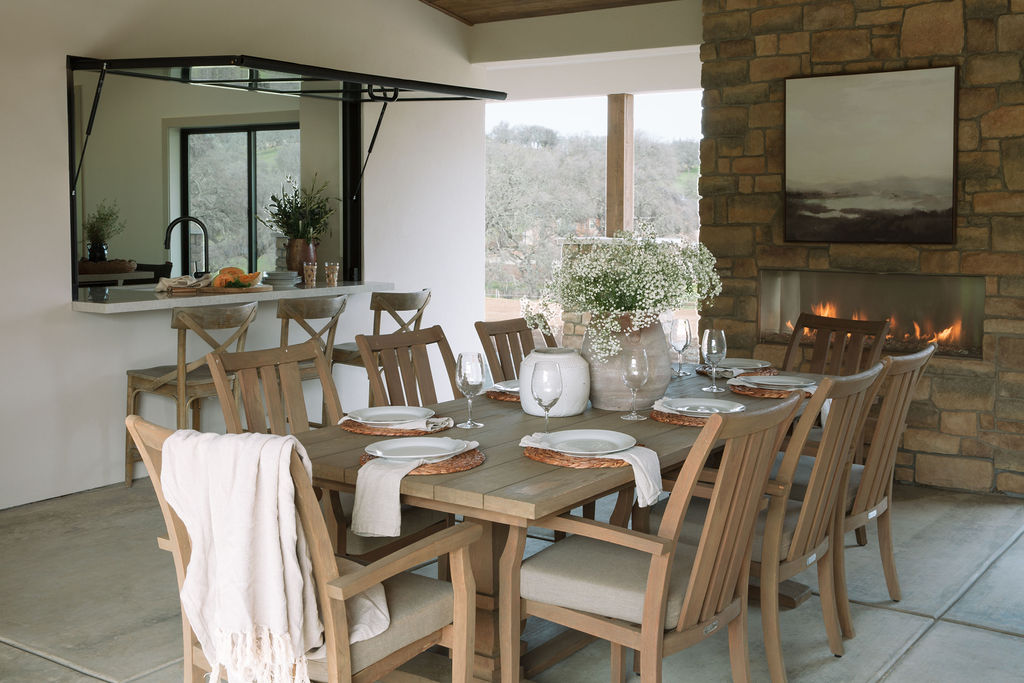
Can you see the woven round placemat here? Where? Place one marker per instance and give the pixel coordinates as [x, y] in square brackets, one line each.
[681, 420]
[372, 430]
[466, 460]
[701, 370]
[562, 460]
[761, 393]
[503, 396]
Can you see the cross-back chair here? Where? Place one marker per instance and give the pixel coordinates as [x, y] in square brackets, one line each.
[407, 379]
[188, 381]
[841, 346]
[301, 312]
[424, 612]
[270, 385]
[506, 343]
[405, 309]
[650, 591]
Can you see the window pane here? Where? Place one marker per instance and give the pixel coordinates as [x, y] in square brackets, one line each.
[218, 196]
[277, 157]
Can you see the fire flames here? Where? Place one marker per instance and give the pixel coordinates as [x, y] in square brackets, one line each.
[915, 336]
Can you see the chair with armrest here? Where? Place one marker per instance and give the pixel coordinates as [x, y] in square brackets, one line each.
[270, 384]
[407, 379]
[649, 591]
[841, 346]
[424, 612]
[506, 343]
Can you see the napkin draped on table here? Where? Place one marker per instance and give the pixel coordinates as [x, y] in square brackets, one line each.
[166, 283]
[644, 461]
[430, 424]
[377, 508]
[249, 593]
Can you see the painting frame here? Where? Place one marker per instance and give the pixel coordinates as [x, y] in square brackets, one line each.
[895, 132]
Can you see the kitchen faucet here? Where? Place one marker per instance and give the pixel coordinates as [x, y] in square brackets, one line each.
[206, 240]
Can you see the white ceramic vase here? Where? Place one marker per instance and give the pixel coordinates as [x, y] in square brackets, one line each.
[575, 382]
[609, 392]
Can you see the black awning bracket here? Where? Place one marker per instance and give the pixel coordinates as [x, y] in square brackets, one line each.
[373, 140]
[88, 128]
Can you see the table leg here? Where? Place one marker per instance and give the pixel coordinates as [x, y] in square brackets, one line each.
[485, 556]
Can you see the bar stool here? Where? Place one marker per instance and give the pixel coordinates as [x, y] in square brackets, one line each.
[301, 312]
[187, 382]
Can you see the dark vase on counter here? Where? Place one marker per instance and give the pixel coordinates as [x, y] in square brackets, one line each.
[97, 251]
[299, 251]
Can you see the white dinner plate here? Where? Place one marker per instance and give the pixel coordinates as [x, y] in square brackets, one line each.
[389, 415]
[417, 447]
[743, 364]
[510, 386]
[702, 407]
[779, 382]
[589, 441]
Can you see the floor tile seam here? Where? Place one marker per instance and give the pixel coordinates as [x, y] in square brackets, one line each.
[978, 573]
[55, 659]
[891, 663]
[993, 629]
[889, 607]
[136, 677]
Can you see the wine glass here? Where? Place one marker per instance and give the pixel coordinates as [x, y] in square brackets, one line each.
[634, 373]
[469, 377]
[546, 385]
[680, 337]
[713, 346]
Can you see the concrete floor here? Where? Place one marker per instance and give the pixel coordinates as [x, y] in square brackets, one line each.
[85, 595]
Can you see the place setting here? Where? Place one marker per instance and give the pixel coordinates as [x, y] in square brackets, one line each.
[508, 390]
[771, 386]
[395, 421]
[691, 412]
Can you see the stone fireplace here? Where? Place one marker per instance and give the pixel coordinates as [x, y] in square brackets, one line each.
[966, 427]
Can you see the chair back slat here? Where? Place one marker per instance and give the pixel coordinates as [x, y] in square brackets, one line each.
[898, 393]
[850, 397]
[718, 575]
[506, 343]
[301, 311]
[252, 403]
[397, 303]
[294, 398]
[841, 346]
[405, 377]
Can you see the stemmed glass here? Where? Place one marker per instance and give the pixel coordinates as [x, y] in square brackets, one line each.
[634, 373]
[546, 385]
[713, 346]
[469, 377]
[679, 337]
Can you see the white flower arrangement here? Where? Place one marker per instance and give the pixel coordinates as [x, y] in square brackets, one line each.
[626, 282]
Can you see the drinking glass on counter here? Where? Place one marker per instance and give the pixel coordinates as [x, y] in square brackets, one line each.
[331, 273]
[635, 370]
[309, 273]
[469, 377]
[713, 346]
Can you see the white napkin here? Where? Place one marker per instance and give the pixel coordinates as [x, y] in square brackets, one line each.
[166, 283]
[429, 424]
[377, 509]
[644, 461]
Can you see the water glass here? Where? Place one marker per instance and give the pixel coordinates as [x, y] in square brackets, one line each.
[546, 385]
[309, 273]
[679, 338]
[713, 347]
[331, 269]
[635, 371]
[469, 377]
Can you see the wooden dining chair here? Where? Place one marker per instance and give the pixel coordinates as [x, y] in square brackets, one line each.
[424, 612]
[302, 312]
[506, 343]
[405, 310]
[407, 379]
[840, 347]
[188, 382]
[270, 385]
[649, 591]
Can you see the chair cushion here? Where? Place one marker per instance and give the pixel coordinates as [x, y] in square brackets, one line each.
[418, 605]
[200, 375]
[802, 476]
[597, 577]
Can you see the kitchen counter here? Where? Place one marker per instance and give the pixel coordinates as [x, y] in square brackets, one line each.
[135, 298]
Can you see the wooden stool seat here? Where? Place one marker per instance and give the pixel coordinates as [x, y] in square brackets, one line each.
[347, 353]
[200, 375]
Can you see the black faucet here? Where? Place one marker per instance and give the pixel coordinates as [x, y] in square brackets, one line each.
[206, 240]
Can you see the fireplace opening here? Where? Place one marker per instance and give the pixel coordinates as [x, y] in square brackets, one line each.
[946, 309]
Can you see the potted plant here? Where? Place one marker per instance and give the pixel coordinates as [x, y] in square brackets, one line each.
[626, 282]
[100, 226]
[301, 215]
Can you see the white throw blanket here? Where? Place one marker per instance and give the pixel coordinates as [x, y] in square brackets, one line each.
[248, 593]
[644, 461]
[377, 508]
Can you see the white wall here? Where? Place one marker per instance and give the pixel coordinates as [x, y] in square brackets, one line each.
[62, 410]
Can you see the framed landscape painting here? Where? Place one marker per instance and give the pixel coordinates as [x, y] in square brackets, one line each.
[871, 157]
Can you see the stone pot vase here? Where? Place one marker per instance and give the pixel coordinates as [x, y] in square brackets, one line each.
[575, 382]
[298, 252]
[97, 251]
[609, 392]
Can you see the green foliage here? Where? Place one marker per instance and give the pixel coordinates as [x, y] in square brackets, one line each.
[103, 223]
[300, 213]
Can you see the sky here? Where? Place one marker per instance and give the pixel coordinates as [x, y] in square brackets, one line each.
[663, 116]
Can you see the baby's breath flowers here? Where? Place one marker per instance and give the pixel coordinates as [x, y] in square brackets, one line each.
[626, 282]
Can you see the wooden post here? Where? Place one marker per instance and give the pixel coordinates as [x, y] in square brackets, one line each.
[620, 164]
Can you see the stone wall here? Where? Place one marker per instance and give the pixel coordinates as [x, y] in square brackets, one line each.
[967, 426]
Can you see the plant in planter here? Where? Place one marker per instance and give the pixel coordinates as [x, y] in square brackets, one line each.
[99, 226]
[625, 283]
[301, 215]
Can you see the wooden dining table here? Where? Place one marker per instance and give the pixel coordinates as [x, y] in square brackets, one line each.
[509, 489]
